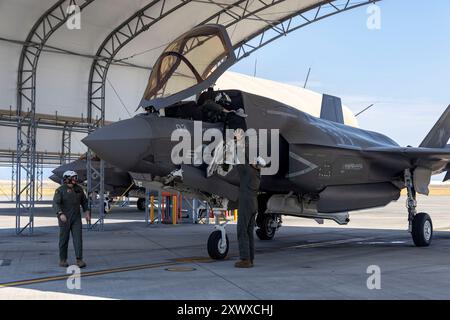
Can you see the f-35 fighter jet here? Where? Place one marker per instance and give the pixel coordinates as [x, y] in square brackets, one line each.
[319, 168]
[117, 182]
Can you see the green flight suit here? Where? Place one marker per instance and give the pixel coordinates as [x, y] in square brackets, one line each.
[68, 201]
[250, 179]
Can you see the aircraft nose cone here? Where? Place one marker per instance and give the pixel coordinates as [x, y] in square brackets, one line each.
[122, 144]
[55, 178]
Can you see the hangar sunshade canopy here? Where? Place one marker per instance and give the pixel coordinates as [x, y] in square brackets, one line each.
[85, 75]
[68, 67]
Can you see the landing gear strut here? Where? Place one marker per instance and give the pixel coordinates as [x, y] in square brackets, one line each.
[420, 224]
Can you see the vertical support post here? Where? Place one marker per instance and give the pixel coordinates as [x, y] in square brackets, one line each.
[146, 211]
[152, 209]
[96, 185]
[180, 207]
[159, 207]
[174, 209]
[101, 206]
[40, 177]
[26, 162]
[13, 177]
[194, 211]
[66, 144]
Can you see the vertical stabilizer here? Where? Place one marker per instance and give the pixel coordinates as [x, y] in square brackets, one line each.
[332, 109]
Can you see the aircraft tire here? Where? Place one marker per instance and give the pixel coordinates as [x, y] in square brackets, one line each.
[141, 204]
[264, 230]
[214, 242]
[422, 230]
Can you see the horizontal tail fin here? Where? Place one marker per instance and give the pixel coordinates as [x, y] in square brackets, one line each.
[447, 177]
[332, 109]
[438, 136]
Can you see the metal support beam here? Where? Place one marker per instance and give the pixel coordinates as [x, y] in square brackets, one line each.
[47, 24]
[294, 22]
[13, 177]
[138, 23]
[147, 207]
[96, 187]
[39, 177]
[141, 21]
[160, 206]
[66, 144]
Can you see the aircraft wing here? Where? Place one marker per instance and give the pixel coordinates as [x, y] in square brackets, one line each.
[427, 161]
[431, 154]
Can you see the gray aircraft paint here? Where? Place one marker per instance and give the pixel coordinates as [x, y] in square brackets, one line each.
[345, 157]
[341, 168]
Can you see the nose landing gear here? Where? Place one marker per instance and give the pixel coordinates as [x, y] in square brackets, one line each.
[218, 243]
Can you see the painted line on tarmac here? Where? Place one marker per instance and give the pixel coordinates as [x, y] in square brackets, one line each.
[329, 243]
[168, 264]
[87, 274]
[442, 229]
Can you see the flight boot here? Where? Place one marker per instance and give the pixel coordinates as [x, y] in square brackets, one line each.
[81, 264]
[246, 263]
[63, 264]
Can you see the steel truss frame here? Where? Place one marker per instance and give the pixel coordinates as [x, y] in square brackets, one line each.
[66, 143]
[47, 24]
[293, 22]
[141, 21]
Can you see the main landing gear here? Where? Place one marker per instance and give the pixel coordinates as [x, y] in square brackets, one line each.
[420, 224]
[140, 204]
[267, 224]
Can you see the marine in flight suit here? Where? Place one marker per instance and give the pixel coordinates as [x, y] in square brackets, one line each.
[250, 179]
[67, 201]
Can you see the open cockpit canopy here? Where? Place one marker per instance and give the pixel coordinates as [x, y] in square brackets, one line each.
[190, 64]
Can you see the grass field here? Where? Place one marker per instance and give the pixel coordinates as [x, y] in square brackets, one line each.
[48, 188]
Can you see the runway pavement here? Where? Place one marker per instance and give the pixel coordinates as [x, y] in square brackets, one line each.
[130, 260]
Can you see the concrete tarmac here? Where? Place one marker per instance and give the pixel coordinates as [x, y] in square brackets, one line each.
[130, 260]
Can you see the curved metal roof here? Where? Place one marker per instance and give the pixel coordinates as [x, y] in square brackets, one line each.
[101, 70]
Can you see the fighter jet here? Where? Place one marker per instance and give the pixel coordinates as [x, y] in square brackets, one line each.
[117, 182]
[326, 168]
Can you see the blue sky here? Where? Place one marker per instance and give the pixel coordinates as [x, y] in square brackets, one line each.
[404, 68]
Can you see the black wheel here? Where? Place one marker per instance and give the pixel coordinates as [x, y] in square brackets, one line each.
[265, 230]
[141, 204]
[422, 230]
[215, 249]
